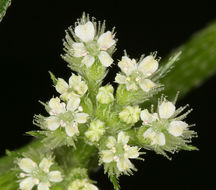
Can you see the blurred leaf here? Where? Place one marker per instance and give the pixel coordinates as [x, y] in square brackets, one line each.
[4, 4]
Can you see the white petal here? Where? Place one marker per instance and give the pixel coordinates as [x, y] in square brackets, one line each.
[146, 84]
[88, 60]
[127, 65]
[124, 165]
[166, 109]
[73, 103]
[121, 79]
[159, 139]
[27, 165]
[132, 152]
[176, 128]
[85, 31]
[156, 138]
[107, 156]
[122, 138]
[61, 86]
[111, 142]
[72, 129]
[28, 183]
[68, 95]
[105, 59]
[52, 123]
[56, 106]
[44, 186]
[106, 40]
[77, 84]
[131, 86]
[74, 80]
[147, 117]
[79, 50]
[91, 187]
[55, 176]
[149, 133]
[45, 164]
[81, 117]
[148, 65]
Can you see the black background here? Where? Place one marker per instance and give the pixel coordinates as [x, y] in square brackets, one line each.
[31, 43]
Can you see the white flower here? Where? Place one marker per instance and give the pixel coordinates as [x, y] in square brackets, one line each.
[105, 94]
[81, 184]
[148, 118]
[95, 131]
[65, 116]
[37, 175]
[90, 47]
[176, 128]
[130, 114]
[75, 87]
[120, 152]
[137, 74]
[156, 138]
[166, 109]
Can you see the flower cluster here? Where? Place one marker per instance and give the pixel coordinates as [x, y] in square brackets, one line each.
[89, 122]
[33, 174]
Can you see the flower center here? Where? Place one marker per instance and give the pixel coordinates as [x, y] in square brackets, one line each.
[66, 117]
[92, 48]
[40, 174]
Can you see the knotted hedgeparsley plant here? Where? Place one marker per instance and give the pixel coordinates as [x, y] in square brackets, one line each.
[89, 125]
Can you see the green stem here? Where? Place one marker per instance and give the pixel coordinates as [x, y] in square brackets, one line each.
[4, 4]
[196, 64]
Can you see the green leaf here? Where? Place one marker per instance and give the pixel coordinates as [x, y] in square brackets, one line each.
[115, 182]
[54, 79]
[189, 148]
[197, 63]
[4, 4]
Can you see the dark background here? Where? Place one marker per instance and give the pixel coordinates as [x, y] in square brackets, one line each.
[31, 43]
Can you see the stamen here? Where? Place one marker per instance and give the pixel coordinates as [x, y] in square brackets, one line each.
[126, 147]
[113, 149]
[116, 158]
[128, 78]
[138, 79]
[62, 123]
[80, 108]
[22, 175]
[125, 68]
[74, 124]
[63, 104]
[52, 112]
[37, 181]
